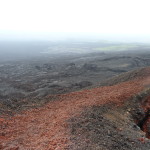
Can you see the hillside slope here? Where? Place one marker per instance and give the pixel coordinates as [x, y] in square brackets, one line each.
[108, 117]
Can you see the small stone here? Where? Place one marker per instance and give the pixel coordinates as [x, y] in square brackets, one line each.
[142, 140]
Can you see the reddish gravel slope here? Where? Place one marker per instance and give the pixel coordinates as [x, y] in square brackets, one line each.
[46, 128]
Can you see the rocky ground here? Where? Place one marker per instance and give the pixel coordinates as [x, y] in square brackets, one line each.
[23, 83]
[76, 101]
[108, 117]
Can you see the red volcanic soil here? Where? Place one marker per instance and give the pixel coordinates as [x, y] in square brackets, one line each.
[46, 128]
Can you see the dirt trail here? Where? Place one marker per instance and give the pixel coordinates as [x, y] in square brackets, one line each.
[45, 128]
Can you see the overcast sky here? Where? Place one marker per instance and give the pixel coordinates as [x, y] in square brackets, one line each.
[33, 17]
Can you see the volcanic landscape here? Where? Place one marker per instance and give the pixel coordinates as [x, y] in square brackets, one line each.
[90, 99]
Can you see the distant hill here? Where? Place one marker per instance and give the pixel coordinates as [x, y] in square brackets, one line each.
[128, 76]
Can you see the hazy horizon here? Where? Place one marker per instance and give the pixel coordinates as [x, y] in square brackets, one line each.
[90, 37]
[49, 20]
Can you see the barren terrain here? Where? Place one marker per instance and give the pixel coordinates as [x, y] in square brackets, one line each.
[61, 124]
[78, 101]
[69, 67]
